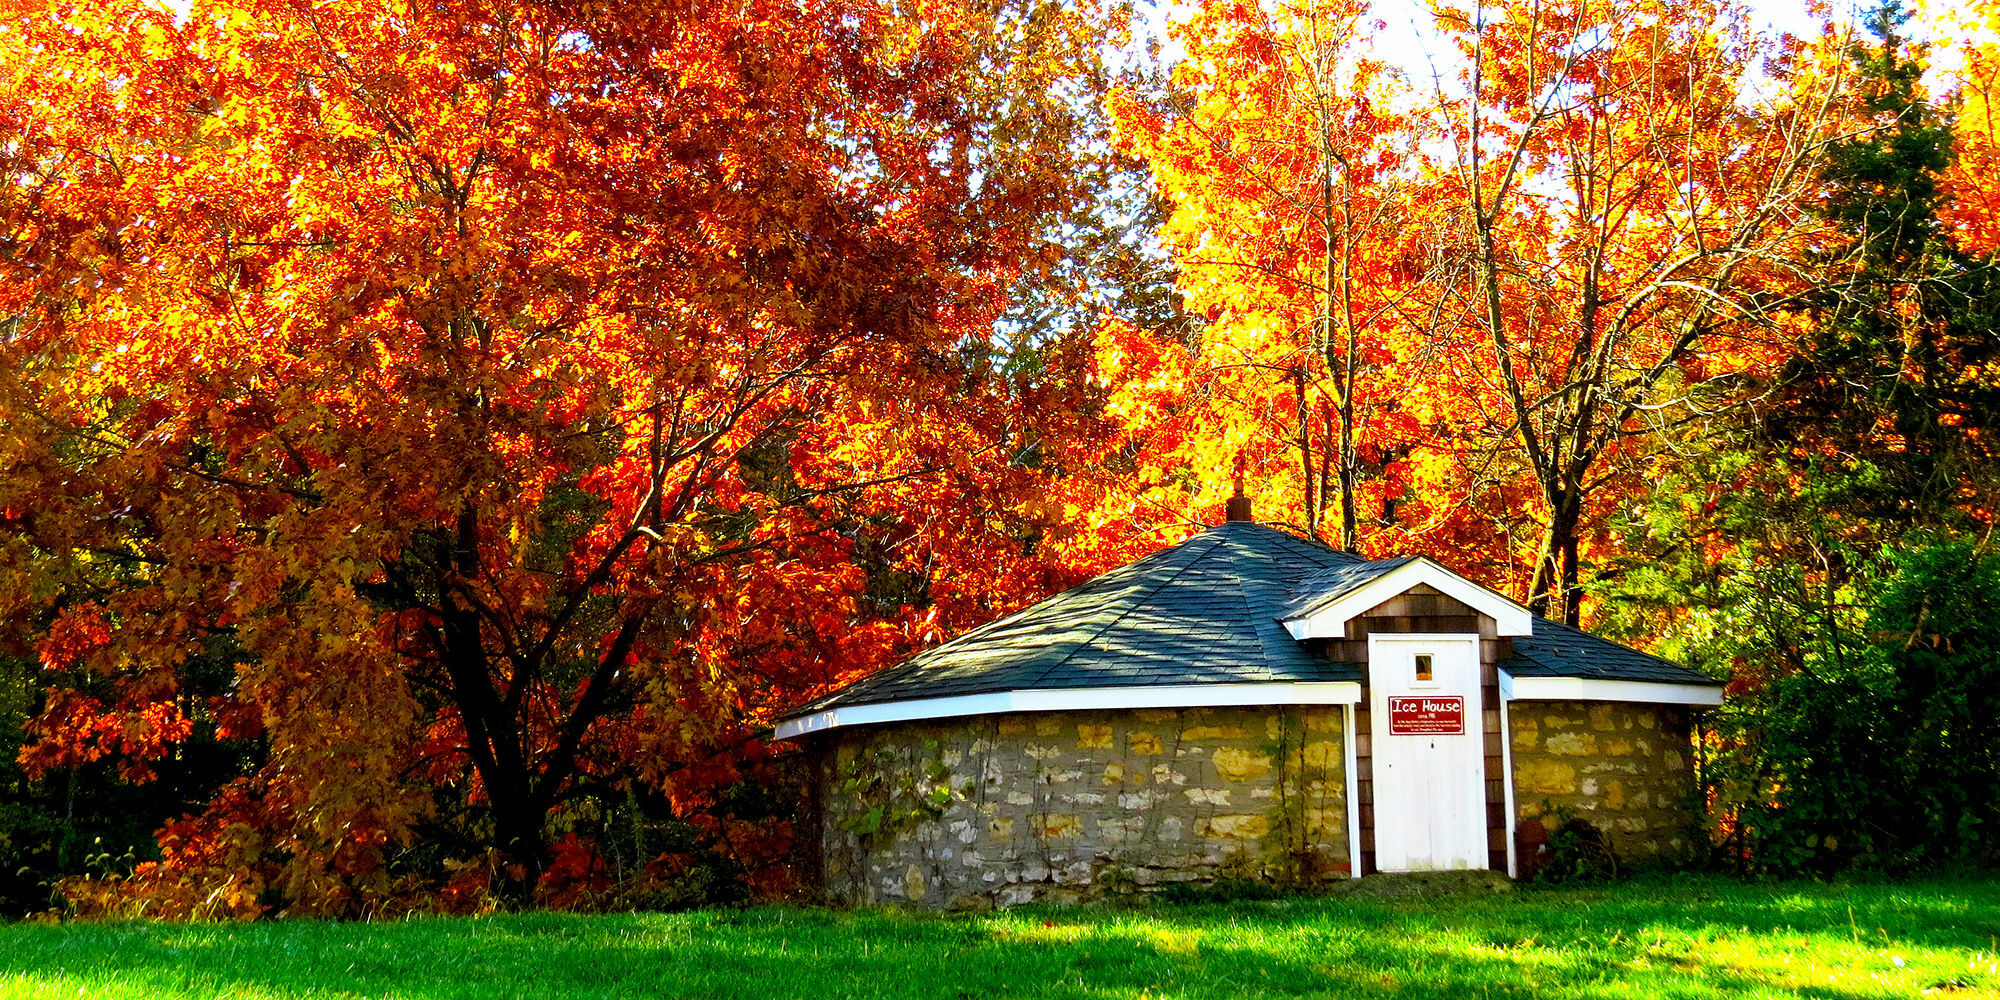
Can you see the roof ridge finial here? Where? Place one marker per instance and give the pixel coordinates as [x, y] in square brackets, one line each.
[1238, 507]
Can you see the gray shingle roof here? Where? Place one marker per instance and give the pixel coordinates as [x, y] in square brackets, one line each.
[1557, 650]
[1202, 612]
[1206, 611]
[1331, 583]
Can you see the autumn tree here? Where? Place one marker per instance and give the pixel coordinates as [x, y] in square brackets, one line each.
[526, 399]
[1280, 146]
[1633, 185]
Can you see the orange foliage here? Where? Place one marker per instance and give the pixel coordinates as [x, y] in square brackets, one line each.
[1586, 229]
[1972, 183]
[527, 400]
[1281, 149]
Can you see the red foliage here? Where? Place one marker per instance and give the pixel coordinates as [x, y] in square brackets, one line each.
[513, 425]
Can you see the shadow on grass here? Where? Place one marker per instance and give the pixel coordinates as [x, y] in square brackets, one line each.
[1664, 941]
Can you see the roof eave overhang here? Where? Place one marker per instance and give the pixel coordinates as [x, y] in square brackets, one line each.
[1329, 620]
[1514, 688]
[1074, 699]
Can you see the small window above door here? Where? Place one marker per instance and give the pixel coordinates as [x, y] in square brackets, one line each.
[1424, 668]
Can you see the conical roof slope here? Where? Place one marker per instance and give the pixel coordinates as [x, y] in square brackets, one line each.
[1202, 612]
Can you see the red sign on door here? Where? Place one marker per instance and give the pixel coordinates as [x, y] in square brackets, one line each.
[1434, 715]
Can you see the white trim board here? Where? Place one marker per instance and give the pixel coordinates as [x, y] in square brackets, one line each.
[1507, 781]
[1076, 699]
[1329, 621]
[1596, 689]
[1351, 762]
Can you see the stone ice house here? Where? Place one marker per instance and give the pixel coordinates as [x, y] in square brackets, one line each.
[1245, 704]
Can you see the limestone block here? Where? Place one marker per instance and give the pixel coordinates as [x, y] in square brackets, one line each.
[1572, 744]
[1060, 776]
[1140, 741]
[1121, 829]
[1324, 755]
[1155, 716]
[1114, 773]
[1011, 725]
[1048, 725]
[1601, 719]
[1084, 798]
[1164, 775]
[1059, 826]
[1325, 822]
[1618, 748]
[1234, 826]
[1614, 795]
[1041, 753]
[1213, 733]
[1321, 722]
[1137, 800]
[1093, 737]
[1554, 721]
[1208, 796]
[1647, 720]
[1171, 829]
[1526, 732]
[1545, 777]
[1020, 799]
[1241, 765]
[1000, 829]
[913, 883]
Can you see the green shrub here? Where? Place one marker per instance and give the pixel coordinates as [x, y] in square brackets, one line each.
[1882, 750]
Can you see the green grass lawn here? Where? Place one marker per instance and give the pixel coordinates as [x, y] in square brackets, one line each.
[1647, 939]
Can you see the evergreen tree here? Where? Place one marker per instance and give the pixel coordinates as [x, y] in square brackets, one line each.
[1814, 549]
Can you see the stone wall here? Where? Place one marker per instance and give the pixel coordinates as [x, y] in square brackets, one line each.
[1625, 767]
[1060, 806]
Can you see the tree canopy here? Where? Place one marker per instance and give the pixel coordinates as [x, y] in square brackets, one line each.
[434, 438]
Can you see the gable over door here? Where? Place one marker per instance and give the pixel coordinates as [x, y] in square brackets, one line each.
[1428, 746]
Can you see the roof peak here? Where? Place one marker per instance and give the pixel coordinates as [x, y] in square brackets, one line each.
[1238, 508]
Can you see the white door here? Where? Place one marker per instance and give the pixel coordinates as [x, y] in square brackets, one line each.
[1427, 737]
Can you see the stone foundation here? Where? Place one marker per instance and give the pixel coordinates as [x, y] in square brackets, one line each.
[1064, 806]
[1625, 767]
[1008, 809]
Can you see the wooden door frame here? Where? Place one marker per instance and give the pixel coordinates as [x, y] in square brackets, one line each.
[1472, 644]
